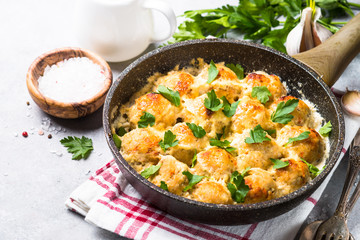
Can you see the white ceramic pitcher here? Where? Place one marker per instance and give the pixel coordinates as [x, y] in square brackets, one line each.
[119, 30]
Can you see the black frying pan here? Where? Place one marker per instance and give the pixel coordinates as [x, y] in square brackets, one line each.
[252, 57]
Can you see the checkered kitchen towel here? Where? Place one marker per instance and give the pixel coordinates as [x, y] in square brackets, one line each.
[110, 202]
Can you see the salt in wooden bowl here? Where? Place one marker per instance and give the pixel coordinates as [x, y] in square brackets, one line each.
[66, 109]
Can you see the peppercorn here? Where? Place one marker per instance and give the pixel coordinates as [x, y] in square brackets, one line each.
[28, 103]
[49, 136]
[25, 134]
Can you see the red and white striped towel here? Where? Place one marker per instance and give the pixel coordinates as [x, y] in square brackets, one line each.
[108, 201]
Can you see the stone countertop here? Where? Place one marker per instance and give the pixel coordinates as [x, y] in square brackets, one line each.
[36, 173]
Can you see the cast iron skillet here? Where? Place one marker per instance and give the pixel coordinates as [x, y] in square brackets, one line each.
[251, 56]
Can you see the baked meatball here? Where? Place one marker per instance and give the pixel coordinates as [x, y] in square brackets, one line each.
[249, 114]
[261, 184]
[140, 147]
[302, 113]
[171, 173]
[195, 112]
[188, 143]
[255, 155]
[164, 111]
[292, 177]
[311, 149]
[215, 163]
[257, 79]
[178, 81]
[211, 192]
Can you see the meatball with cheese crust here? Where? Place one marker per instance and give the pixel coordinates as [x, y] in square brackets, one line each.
[164, 111]
[188, 143]
[291, 177]
[171, 173]
[140, 147]
[177, 81]
[302, 113]
[255, 155]
[216, 163]
[261, 184]
[272, 82]
[311, 149]
[195, 112]
[249, 114]
[211, 192]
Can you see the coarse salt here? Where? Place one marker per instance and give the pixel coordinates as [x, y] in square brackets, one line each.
[72, 80]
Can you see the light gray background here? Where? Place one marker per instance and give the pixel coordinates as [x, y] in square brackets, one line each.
[36, 173]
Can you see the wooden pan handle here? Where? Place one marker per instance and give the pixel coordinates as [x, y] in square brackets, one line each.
[331, 58]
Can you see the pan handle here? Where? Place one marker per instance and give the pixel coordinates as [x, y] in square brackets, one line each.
[331, 58]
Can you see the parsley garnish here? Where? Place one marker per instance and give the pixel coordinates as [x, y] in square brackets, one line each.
[229, 110]
[117, 140]
[148, 172]
[237, 69]
[164, 186]
[79, 147]
[121, 131]
[221, 144]
[194, 160]
[237, 186]
[172, 96]
[169, 141]
[326, 129]
[212, 72]
[257, 135]
[212, 102]
[314, 171]
[198, 131]
[193, 179]
[279, 164]
[302, 136]
[220, 135]
[146, 119]
[271, 131]
[261, 93]
[283, 110]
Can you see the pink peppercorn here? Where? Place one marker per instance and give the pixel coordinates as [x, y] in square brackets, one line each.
[25, 134]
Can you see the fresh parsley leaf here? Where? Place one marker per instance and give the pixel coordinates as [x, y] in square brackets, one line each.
[169, 141]
[198, 131]
[212, 72]
[279, 164]
[146, 119]
[220, 135]
[326, 129]
[193, 179]
[121, 131]
[229, 109]
[117, 140]
[194, 160]
[212, 102]
[222, 144]
[237, 69]
[148, 172]
[302, 136]
[172, 96]
[257, 135]
[283, 110]
[271, 131]
[314, 171]
[164, 186]
[79, 147]
[262, 93]
[237, 186]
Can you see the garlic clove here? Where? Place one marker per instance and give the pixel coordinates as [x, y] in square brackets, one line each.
[351, 102]
[307, 34]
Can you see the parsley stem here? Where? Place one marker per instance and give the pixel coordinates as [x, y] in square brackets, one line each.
[354, 4]
[338, 23]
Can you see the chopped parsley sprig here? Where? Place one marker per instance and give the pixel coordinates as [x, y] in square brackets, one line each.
[314, 171]
[168, 141]
[237, 186]
[198, 131]
[212, 102]
[283, 110]
[257, 135]
[229, 109]
[146, 119]
[237, 69]
[326, 129]
[150, 171]
[193, 180]
[212, 72]
[302, 136]
[278, 163]
[262, 93]
[172, 96]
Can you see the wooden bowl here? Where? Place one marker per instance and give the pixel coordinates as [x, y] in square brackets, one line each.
[66, 109]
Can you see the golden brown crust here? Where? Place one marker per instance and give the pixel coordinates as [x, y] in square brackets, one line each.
[211, 192]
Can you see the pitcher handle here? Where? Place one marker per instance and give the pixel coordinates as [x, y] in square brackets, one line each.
[167, 11]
